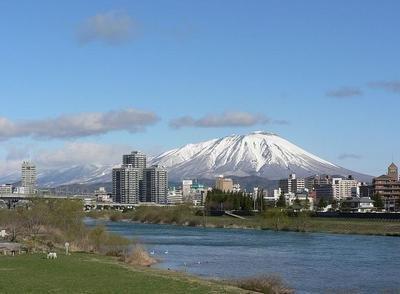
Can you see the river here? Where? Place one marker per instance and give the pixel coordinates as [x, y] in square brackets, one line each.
[307, 262]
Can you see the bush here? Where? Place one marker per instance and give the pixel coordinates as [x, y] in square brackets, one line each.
[138, 256]
[277, 217]
[264, 284]
[116, 216]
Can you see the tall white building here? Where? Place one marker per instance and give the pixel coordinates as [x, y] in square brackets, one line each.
[137, 160]
[133, 182]
[155, 184]
[28, 177]
[125, 181]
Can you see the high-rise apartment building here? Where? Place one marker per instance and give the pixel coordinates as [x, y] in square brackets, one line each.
[133, 182]
[136, 159]
[28, 177]
[125, 181]
[155, 184]
[292, 184]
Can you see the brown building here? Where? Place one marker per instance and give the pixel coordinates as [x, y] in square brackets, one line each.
[224, 184]
[388, 187]
[393, 171]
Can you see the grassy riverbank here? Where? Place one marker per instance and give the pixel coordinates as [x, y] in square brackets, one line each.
[189, 217]
[92, 273]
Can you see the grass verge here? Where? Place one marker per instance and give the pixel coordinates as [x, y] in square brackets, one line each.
[91, 273]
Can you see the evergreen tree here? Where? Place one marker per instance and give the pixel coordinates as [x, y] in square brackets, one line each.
[281, 201]
[322, 203]
[378, 202]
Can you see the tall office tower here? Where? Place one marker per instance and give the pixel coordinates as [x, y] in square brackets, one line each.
[393, 172]
[137, 160]
[28, 179]
[155, 184]
[125, 181]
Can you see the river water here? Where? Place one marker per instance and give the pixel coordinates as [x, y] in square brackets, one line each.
[307, 262]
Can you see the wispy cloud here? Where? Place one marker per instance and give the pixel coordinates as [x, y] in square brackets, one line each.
[78, 125]
[68, 155]
[390, 86]
[344, 156]
[112, 28]
[226, 119]
[344, 92]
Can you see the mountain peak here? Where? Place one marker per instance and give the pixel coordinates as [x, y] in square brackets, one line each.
[259, 153]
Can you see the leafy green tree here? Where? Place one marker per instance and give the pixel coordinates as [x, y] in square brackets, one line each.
[277, 217]
[302, 221]
[281, 201]
[306, 204]
[322, 203]
[297, 202]
[378, 202]
[334, 203]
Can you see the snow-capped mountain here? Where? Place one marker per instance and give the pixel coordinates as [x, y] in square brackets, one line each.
[77, 174]
[259, 154]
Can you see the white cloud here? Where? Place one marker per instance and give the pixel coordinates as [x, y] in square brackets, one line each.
[390, 86]
[78, 125]
[345, 92]
[345, 156]
[226, 119]
[112, 27]
[68, 155]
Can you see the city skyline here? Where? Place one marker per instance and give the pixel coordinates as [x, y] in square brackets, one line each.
[109, 78]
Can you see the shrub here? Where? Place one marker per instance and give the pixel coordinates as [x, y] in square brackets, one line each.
[264, 284]
[138, 256]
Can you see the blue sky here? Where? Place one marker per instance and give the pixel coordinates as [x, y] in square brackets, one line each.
[323, 74]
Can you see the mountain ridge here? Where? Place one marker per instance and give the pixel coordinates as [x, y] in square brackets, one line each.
[257, 154]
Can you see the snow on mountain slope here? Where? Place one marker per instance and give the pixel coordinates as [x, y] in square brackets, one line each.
[256, 154]
[260, 154]
[77, 174]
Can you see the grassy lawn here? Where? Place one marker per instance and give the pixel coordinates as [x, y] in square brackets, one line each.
[87, 273]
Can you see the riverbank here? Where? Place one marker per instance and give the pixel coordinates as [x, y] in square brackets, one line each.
[304, 223]
[92, 273]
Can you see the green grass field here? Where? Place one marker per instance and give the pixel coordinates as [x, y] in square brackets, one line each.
[89, 273]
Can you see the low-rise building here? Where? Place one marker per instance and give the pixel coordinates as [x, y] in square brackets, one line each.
[388, 188]
[174, 196]
[357, 204]
[224, 184]
[102, 195]
[6, 189]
